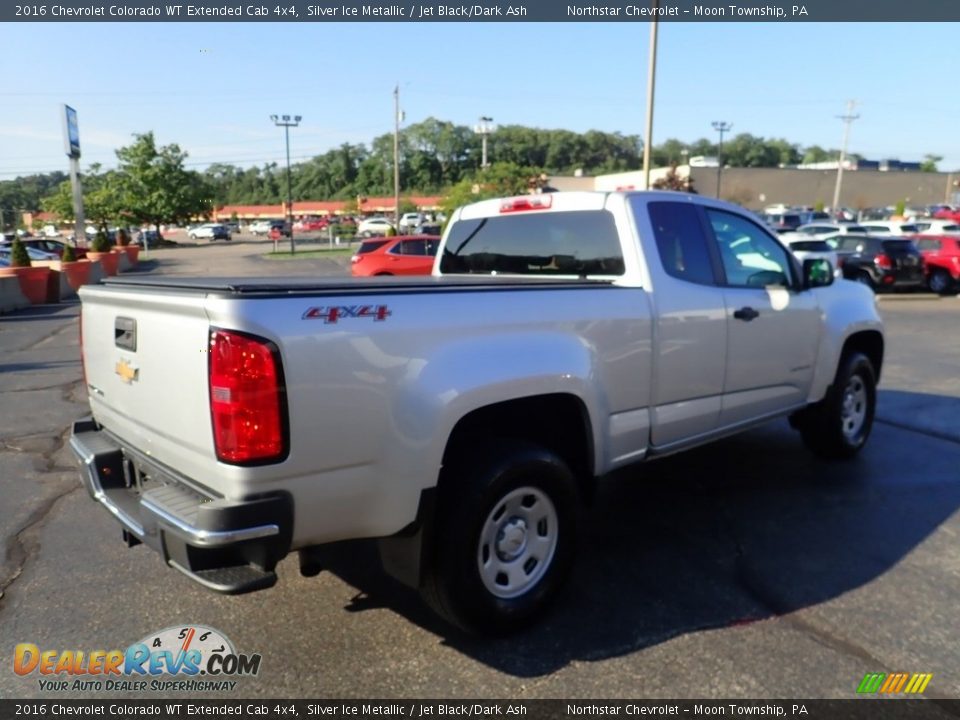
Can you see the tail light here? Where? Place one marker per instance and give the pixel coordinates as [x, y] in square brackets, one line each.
[526, 202]
[882, 260]
[246, 399]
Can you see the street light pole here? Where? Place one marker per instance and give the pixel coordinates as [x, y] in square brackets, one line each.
[483, 129]
[721, 127]
[396, 158]
[286, 122]
[651, 77]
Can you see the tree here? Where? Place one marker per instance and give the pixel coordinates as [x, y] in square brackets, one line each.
[929, 163]
[102, 198]
[500, 179]
[674, 181]
[155, 188]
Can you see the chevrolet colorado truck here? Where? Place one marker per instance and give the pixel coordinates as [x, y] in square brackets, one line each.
[462, 419]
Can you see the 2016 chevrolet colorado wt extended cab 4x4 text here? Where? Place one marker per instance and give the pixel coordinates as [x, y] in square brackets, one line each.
[460, 419]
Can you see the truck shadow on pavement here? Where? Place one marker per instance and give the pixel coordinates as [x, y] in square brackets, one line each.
[745, 529]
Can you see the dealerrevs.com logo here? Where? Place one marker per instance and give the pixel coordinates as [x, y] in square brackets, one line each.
[187, 658]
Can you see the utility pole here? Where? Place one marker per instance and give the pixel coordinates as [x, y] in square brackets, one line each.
[721, 126]
[396, 158]
[847, 119]
[286, 123]
[651, 78]
[483, 130]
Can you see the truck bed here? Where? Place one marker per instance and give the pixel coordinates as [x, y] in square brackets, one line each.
[281, 287]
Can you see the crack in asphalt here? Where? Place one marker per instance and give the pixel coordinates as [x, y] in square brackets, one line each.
[921, 431]
[52, 334]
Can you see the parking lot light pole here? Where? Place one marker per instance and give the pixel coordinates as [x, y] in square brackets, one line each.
[651, 79]
[286, 122]
[721, 127]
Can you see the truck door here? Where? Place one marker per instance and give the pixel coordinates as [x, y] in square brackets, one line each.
[690, 345]
[773, 327]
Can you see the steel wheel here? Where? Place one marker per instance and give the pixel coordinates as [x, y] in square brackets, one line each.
[854, 409]
[517, 542]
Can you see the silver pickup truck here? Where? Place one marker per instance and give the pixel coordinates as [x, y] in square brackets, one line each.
[461, 420]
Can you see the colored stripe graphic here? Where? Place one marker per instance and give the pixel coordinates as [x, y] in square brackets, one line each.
[893, 683]
[871, 682]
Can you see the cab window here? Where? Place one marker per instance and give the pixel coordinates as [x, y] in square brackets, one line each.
[750, 257]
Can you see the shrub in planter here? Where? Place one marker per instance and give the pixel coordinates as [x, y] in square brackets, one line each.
[101, 243]
[68, 254]
[33, 280]
[19, 257]
[100, 250]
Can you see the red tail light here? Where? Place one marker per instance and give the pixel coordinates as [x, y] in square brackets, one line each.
[246, 399]
[526, 202]
[883, 261]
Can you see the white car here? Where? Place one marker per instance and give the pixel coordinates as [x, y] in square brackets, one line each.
[374, 226]
[937, 226]
[408, 221]
[210, 231]
[259, 227]
[819, 229]
[890, 227]
[805, 247]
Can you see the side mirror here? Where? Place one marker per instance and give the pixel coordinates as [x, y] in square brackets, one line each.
[817, 272]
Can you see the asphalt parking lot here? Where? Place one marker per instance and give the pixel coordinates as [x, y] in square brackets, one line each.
[743, 569]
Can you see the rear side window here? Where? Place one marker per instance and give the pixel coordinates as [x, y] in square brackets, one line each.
[811, 246]
[899, 246]
[370, 246]
[583, 242]
[681, 243]
[928, 244]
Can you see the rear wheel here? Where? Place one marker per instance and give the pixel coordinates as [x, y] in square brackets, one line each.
[505, 535]
[864, 279]
[839, 425]
[940, 282]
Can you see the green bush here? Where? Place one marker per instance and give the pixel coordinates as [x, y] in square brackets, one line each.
[101, 243]
[900, 209]
[19, 257]
[390, 232]
[819, 206]
[123, 237]
[68, 254]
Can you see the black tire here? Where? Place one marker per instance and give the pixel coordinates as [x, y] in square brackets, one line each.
[940, 282]
[838, 426]
[486, 497]
[864, 279]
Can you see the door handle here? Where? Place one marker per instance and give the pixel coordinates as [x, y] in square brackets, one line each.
[746, 313]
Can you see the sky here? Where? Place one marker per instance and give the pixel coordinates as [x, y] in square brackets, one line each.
[211, 87]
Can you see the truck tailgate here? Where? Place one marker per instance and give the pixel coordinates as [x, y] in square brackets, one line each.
[145, 362]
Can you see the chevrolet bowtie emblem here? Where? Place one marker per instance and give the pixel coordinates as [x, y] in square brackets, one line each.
[127, 372]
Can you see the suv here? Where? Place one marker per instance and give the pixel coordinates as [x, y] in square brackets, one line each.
[879, 262]
[279, 229]
[374, 226]
[210, 231]
[942, 257]
[405, 255]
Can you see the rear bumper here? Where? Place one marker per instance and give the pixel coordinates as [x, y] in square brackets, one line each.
[227, 546]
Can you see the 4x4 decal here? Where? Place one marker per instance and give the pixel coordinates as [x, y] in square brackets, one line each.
[332, 313]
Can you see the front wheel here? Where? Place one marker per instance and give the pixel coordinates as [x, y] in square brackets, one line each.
[505, 536]
[839, 425]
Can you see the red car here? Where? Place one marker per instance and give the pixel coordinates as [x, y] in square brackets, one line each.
[314, 224]
[942, 256]
[401, 255]
[948, 214]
